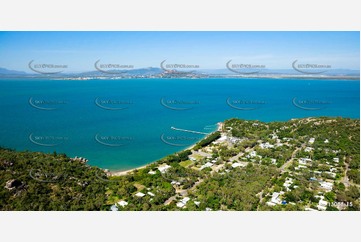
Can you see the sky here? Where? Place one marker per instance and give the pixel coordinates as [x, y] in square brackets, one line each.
[210, 50]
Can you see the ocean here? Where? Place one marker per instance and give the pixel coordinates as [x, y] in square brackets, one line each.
[123, 124]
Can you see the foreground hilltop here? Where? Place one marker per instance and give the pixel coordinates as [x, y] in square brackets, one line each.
[301, 164]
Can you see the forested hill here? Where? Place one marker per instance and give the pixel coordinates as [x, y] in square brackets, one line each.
[37, 181]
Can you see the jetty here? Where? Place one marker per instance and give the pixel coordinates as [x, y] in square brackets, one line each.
[189, 131]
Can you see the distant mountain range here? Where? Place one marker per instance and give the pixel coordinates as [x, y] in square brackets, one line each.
[4, 71]
[158, 72]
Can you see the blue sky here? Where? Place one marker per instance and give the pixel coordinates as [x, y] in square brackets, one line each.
[209, 50]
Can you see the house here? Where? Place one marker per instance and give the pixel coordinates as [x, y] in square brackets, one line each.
[234, 140]
[322, 205]
[266, 145]
[163, 168]
[140, 194]
[152, 172]
[308, 149]
[331, 174]
[326, 141]
[336, 159]
[150, 194]
[252, 154]
[175, 183]
[122, 203]
[274, 136]
[288, 183]
[208, 164]
[197, 203]
[234, 165]
[311, 141]
[275, 198]
[303, 161]
[114, 208]
[270, 203]
[273, 161]
[310, 209]
[326, 185]
[183, 202]
[221, 139]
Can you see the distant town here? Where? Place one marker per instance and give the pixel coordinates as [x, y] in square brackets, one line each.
[155, 72]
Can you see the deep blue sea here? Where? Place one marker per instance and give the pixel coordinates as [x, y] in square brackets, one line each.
[123, 124]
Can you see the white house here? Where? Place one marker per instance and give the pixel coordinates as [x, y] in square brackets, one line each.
[234, 165]
[275, 198]
[208, 164]
[163, 168]
[322, 205]
[326, 185]
[266, 145]
[183, 202]
[288, 183]
[303, 161]
[140, 194]
[122, 203]
[311, 141]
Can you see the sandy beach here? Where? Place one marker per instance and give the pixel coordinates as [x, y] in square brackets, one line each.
[123, 173]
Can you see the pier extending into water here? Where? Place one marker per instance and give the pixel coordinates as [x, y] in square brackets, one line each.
[189, 131]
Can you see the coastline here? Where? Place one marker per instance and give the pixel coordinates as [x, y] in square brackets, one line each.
[123, 173]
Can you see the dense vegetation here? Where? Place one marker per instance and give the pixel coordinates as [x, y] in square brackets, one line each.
[235, 190]
[38, 181]
[206, 141]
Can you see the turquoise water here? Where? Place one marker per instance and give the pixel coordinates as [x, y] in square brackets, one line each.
[120, 124]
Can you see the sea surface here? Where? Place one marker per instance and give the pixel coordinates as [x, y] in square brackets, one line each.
[123, 124]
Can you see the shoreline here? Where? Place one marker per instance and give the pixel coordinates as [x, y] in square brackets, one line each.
[123, 173]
